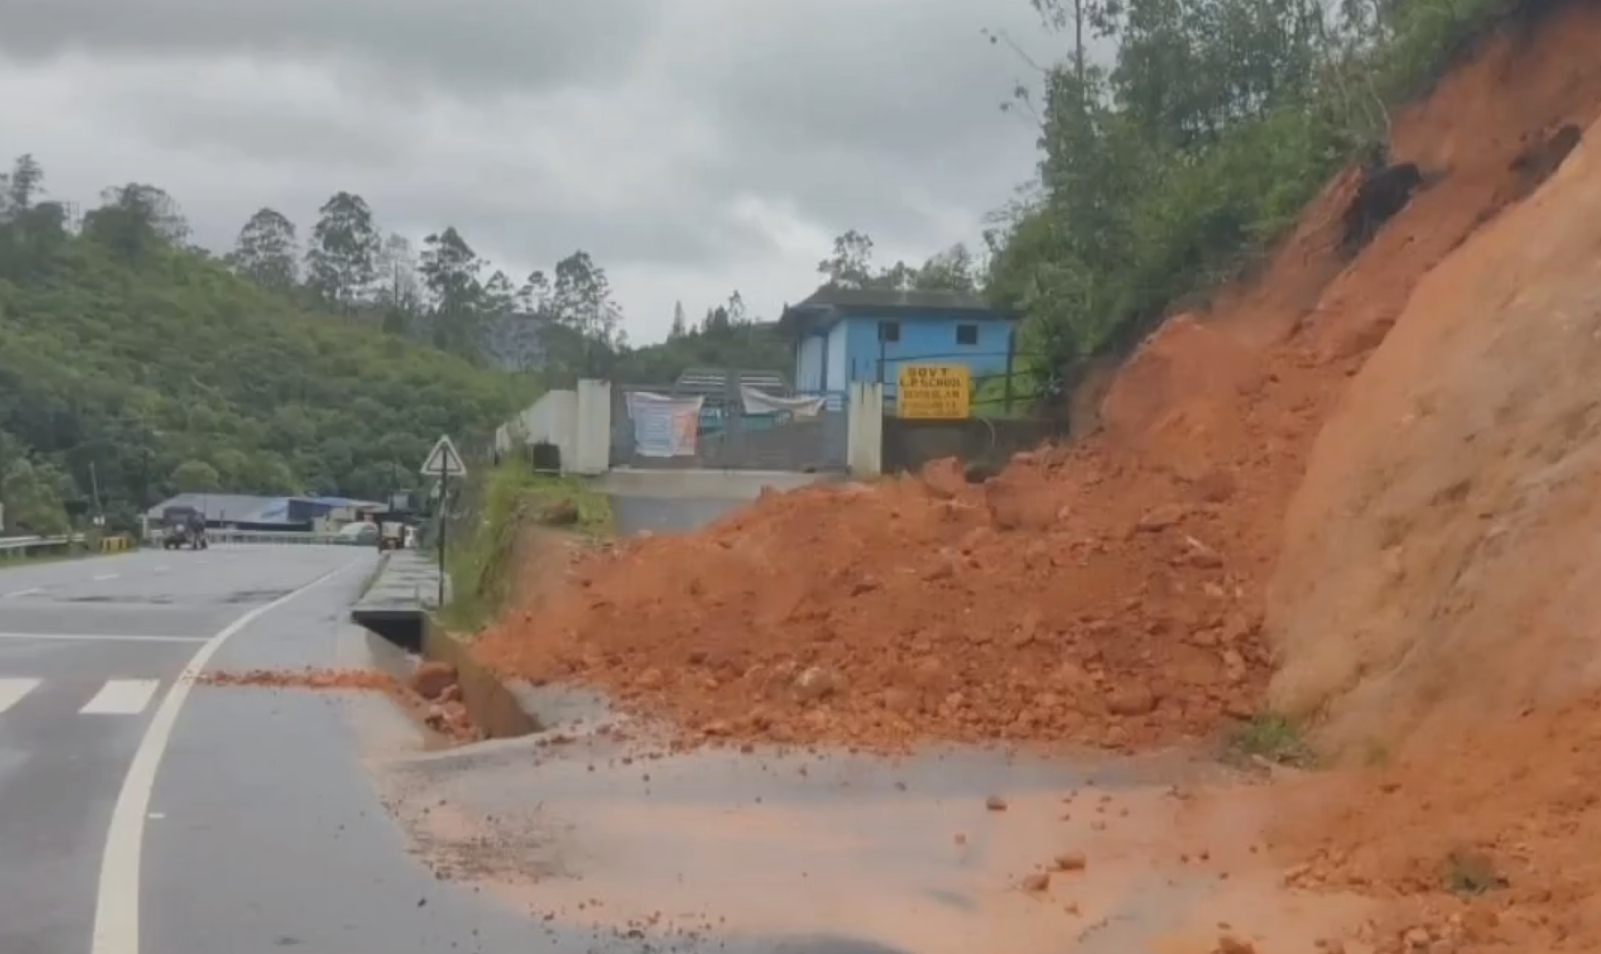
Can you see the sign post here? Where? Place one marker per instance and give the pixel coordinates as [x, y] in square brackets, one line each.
[443, 463]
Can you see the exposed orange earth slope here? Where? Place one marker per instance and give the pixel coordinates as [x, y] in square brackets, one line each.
[1113, 592]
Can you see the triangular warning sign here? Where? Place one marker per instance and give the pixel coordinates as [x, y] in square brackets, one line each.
[443, 460]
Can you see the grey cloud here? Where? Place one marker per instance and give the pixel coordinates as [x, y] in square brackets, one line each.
[455, 45]
[631, 128]
[268, 135]
[844, 107]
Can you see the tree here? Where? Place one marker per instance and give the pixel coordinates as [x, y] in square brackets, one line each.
[716, 322]
[534, 295]
[737, 315]
[134, 219]
[679, 328]
[951, 270]
[266, 251]
[522, 340]
[587, 321]
[128, 356]
[31, 231]
[196, 476]
[450, 271]
[23, 186]
[399, 292]
[341, 264]
[500, 332]
[851, 264]
[898, 277]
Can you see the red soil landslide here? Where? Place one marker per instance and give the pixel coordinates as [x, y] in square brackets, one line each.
[1032, 607]
[1112, 592]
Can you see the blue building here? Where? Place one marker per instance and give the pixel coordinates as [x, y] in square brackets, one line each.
[845, 335]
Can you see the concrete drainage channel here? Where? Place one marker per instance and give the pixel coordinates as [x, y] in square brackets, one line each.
[398, 608]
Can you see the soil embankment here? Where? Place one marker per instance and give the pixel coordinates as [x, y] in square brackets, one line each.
[1110, 593]
[1441, 561]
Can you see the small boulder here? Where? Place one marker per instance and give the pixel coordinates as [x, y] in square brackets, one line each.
[432, 678]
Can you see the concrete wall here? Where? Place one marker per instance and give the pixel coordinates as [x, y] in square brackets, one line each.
[552, 419]
[592, 454]
[578, 422]
[864, 448]
[702, 484]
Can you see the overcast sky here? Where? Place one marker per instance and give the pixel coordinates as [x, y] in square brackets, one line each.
[691, 146]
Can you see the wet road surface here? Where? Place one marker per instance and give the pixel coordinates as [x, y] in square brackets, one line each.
[632, 514]
[87, 650]
[287, 820]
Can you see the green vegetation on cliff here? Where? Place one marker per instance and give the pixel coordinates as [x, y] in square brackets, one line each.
[132, 365]
[1168, 166]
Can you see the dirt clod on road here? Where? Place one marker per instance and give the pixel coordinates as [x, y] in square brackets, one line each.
[431, 694]
[308, 678]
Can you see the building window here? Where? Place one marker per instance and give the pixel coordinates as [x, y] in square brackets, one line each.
[967, 334]
[889, 331]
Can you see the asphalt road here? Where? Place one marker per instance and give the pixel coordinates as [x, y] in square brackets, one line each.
[140, 818]
[635, 514]
[144, 814]
[88, 651]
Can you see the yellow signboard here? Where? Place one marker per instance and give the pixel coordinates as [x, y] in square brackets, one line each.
[934, 391]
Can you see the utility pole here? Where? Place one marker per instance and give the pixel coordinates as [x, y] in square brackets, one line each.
[444, 515]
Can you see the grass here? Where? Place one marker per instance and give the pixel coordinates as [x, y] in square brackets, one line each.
[1471, 873]
[1276, 738]
[508, 500]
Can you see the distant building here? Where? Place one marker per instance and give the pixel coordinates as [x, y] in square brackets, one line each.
[847, 335]
[248, 512]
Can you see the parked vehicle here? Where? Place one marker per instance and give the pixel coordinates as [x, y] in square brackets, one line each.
[183, 525]
[360, 533]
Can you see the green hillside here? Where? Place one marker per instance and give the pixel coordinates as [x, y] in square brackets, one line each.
[133, 364]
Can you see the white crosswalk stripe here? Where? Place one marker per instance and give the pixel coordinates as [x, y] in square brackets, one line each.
[13, 690]
[113, 697]
[122, 697]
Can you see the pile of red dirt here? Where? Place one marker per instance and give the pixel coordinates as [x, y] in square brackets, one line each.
[1112, 592]
[1031, 607]
[1483, 841]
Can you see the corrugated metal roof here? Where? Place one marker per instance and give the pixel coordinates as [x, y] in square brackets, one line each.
[715, 381]
[247, 508]
[230, 508]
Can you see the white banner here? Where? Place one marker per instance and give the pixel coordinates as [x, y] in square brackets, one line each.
[664, 426]
[760, 402]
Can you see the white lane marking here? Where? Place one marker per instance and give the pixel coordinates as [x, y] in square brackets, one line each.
[27, 592]
[122, 697]
[116, 927]
[106, 576]
[162, 568]
[12, 691]
[101, 637]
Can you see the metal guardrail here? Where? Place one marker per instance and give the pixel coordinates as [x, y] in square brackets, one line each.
[22, 546]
